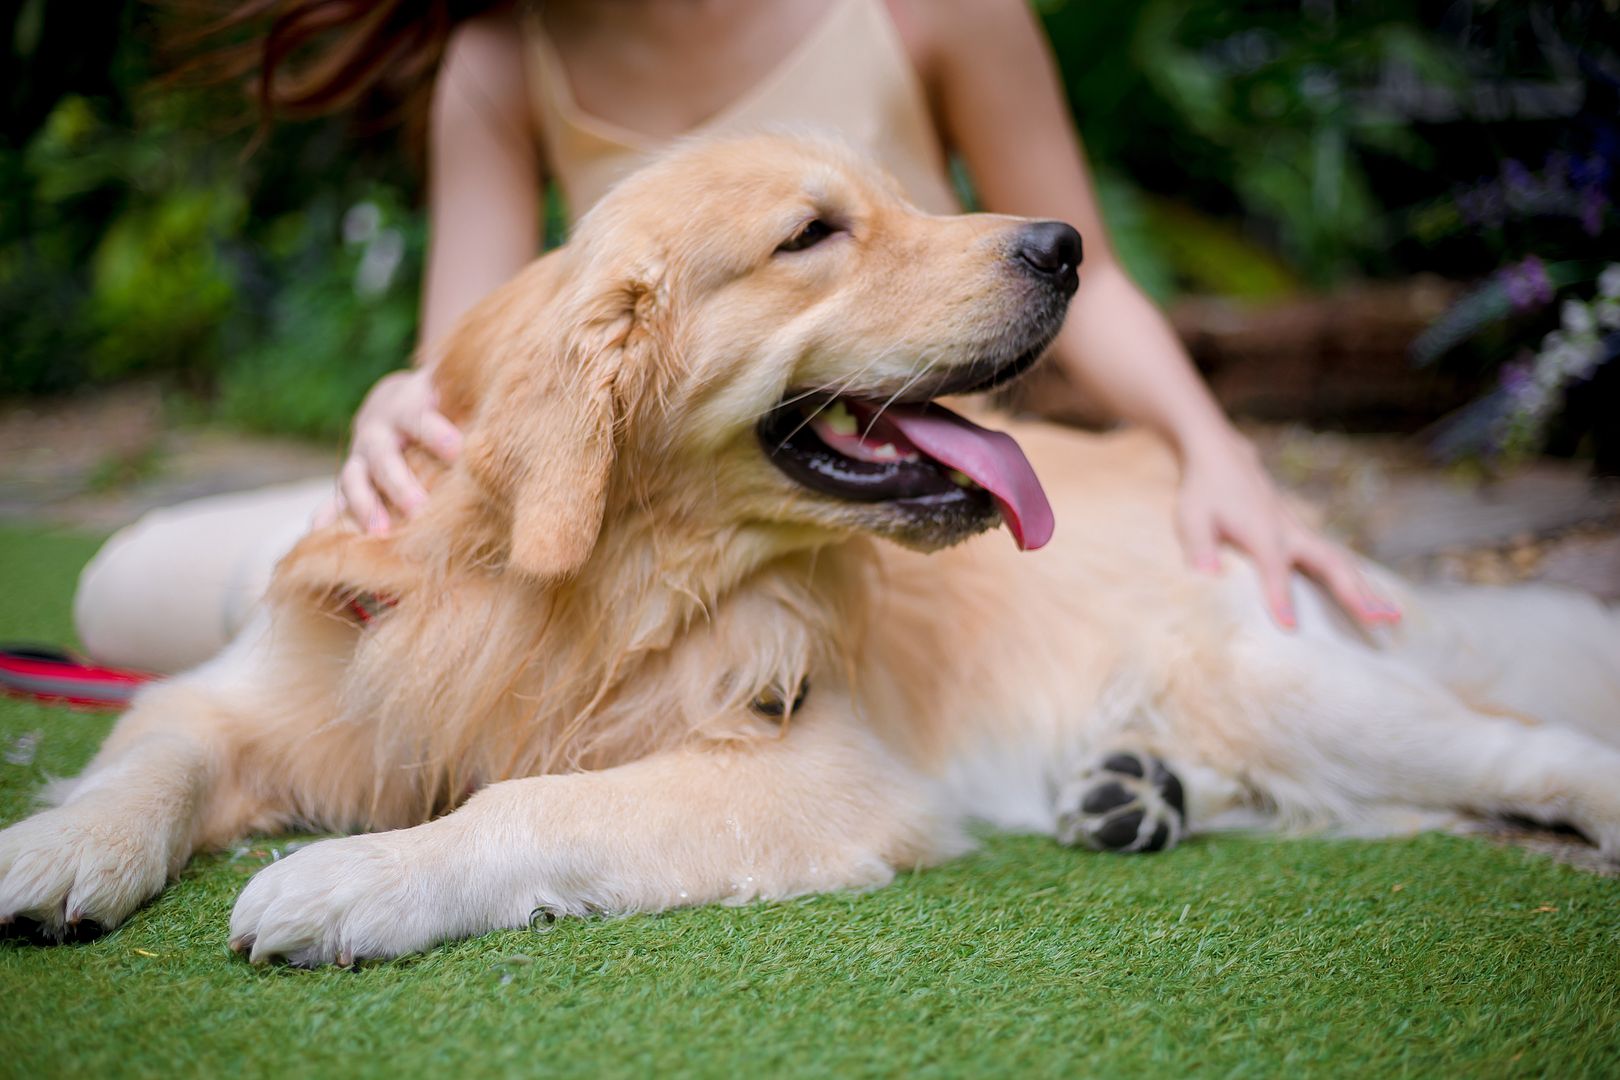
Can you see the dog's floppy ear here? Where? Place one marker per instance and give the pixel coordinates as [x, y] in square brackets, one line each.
[549, 367]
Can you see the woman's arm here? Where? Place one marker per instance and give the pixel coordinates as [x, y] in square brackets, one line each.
[997, 91]
[484, 190]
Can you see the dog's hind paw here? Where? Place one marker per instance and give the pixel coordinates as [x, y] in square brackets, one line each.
[1124, 802]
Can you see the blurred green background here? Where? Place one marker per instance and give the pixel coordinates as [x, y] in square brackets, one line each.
[1254, 150]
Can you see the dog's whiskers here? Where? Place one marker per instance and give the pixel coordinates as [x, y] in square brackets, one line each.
[920, 368]
[834, 391]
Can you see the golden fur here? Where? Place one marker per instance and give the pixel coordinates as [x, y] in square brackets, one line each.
[613, 573]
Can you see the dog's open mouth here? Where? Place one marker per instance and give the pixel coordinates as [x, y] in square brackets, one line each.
[922, 456]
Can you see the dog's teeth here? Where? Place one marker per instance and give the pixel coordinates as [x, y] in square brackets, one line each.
[886, 452]
[960, 478]
[839, 419]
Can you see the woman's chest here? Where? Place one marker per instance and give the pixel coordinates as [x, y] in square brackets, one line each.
[661, 69]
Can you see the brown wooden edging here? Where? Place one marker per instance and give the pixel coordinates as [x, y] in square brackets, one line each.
[1338, 360]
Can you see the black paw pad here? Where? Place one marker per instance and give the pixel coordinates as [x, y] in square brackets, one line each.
[1126, 802]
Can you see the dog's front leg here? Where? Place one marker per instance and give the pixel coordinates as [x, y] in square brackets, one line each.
[163, 784]
[121, 829]
[822, 806]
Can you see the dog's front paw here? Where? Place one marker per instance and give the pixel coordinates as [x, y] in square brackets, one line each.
[354, 898]
[1126, 802]
[76, 871]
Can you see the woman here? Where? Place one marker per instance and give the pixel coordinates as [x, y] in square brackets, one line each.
[580, 92]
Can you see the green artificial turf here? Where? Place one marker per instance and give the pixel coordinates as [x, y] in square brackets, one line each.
[1228, 957]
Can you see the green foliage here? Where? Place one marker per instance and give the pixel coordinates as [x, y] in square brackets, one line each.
[339, 321]
[316, 361]
[1249, 111]
[1135, 237]
[159, 288]
[143, 241]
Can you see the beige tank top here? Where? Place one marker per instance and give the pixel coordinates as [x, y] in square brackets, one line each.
[850, 74]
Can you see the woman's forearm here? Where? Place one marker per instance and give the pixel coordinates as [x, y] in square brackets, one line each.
[484, 182]
[484, 175]
[1123, 353]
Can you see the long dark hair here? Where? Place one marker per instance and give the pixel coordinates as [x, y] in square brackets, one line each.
[308, 58]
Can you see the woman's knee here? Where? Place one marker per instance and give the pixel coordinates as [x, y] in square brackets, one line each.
[128, 611]
[170, 590]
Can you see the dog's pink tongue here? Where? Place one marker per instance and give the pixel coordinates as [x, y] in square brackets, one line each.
[991, 459]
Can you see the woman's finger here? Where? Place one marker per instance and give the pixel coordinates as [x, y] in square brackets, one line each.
[1336, 569]
[364, 505]
[434, 430]
[1198, 540]
[1276, 572]
[1379, 608]
[1330, 566]
[1384, 609]
[386, 464]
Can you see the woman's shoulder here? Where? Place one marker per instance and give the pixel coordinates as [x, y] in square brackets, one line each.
[494, 37]
[939, 34]
[484, 66]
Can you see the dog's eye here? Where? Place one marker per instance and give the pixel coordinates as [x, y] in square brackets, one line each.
[809, 236]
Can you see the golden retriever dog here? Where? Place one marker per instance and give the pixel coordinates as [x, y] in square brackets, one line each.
[669, 632]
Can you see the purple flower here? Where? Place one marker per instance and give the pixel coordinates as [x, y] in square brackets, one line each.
[1517, 178]
[1482, 205]
[1593, 204]
[1493, 207]
[1468, 205]
[1527, 284]
[1516, 378]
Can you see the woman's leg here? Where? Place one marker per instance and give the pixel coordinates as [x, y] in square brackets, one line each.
[169, 591]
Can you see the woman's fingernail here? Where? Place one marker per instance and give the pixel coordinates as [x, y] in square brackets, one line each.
[1286, 618]
[1208, 564]
[378, 526]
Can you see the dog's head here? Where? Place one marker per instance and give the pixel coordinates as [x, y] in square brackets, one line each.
[747, 335]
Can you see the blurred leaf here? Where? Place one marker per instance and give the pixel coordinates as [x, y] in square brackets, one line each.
[1136, 239]
[1212, 256]
[159, 290]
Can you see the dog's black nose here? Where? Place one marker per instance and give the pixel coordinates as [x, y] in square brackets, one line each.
[1052, 249]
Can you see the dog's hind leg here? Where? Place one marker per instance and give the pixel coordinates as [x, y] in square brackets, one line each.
[130, 821]
[821, 806]
[1542, 654]
[1344, 735]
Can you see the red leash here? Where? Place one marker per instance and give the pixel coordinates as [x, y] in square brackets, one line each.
[42, 673]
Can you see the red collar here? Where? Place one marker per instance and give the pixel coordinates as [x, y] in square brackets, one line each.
[367, 606]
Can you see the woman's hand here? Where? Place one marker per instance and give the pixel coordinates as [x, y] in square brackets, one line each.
[1227, 496]
[401, 409]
